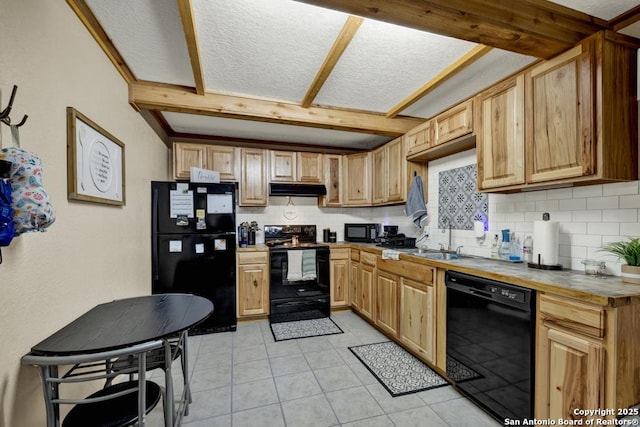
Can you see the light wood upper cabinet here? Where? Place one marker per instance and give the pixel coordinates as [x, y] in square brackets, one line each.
[253, 182]
[454, 123]
[560, 139]
[420, 138]
[379, 172]
[283, 166]
[310, 167]
[186, 156]
[357, 180]
[253, 283]
[291, 166]
[500, 142]
[340, 266]
[223, 159]
[397, 171]
[332, 180]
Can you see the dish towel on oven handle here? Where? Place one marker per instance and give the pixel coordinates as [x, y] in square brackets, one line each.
[301, 265]
[309, 264]
[294, 269]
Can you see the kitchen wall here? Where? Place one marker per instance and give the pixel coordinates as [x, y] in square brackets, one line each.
[589, 216]
[92, 253]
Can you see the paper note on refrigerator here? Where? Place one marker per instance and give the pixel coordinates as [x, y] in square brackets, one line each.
[180, 204]
[219, 203]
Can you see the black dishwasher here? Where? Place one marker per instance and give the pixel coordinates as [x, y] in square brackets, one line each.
[490, 344]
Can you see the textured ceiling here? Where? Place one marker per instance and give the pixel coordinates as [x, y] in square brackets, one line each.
[273, 49]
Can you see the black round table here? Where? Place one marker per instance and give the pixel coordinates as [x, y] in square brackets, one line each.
[117, 325]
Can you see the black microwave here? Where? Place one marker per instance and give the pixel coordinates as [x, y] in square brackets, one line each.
[366, 233]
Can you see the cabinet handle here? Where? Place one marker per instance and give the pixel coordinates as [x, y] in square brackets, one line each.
[255, 283]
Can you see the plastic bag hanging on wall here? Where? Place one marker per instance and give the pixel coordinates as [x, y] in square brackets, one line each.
[7, 229]
[33, 209]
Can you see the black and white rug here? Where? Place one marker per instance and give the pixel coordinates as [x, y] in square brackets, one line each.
[459, 372]
[397, 370]
[304, 329]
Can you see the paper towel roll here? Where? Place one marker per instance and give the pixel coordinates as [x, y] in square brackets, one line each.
[545, 242]
[478, 229]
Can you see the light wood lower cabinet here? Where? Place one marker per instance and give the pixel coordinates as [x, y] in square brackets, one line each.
[387, 302]
[367, 300]
[340, 266]
[575, 373]
[570, 358]
[354, 294]
[253, 283]
[417, 318]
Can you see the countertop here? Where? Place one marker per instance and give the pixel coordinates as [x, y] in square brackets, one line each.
[603, 290]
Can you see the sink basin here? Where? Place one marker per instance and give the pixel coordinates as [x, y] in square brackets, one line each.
[429, 254]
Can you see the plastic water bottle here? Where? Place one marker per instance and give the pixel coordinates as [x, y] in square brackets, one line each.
[494, 247]
[527, 249]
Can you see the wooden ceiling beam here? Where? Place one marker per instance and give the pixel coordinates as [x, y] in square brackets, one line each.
[531, 27]
[342, 41]
[90, 21]
[185, 7]
[179, 99]
[469, 58]
[629, 17]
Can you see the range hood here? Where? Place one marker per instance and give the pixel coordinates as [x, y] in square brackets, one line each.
[298, 190]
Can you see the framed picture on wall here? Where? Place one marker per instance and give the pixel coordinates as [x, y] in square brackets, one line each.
[95, 162]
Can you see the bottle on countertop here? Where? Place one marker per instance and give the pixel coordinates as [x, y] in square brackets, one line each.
[495, 253]
[505, 246]
[527, 249]
[515, 253]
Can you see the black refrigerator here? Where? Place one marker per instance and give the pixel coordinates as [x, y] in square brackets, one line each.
[193, 246]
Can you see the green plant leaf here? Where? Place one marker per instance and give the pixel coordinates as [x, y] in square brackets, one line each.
[627, 250]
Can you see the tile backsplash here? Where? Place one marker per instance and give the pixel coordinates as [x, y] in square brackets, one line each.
[589, 216]
[459, 202]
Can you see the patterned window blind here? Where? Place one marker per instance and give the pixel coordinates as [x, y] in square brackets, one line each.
[459, 200]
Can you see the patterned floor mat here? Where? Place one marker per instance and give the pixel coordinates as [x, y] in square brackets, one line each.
[397, 370]
[304, 329]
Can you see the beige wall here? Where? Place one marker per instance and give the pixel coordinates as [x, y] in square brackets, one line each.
[93, 253]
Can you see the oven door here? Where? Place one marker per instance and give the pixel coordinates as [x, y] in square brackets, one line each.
[281, 288]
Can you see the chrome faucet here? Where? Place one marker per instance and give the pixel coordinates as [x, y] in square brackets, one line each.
[448, 222]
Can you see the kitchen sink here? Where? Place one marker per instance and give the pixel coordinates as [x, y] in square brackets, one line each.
[430, 254]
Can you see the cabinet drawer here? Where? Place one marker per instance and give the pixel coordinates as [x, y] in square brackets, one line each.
[253, 257]
[411, 270]
[368, 258]
[339, 254]
[355, 255]
[585, 318]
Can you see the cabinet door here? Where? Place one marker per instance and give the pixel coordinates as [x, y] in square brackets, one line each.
[332, 180]
[340, 278]
[253, 185]
[397, 171]
[500, 144]
[225, 160]
[417, 318]
[310, 167]
[560, 111]
[253, 289]
[283, 166]
[354, 294]
[387, 302]
[367, 289]
[420, 138]
[380, 184]
[569, 374]
[454, 123]
[186, 156]
[357, 174]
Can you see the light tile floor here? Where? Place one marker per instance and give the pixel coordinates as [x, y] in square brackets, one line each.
[245, 378]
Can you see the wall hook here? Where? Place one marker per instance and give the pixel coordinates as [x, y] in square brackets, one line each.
[4, 114]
